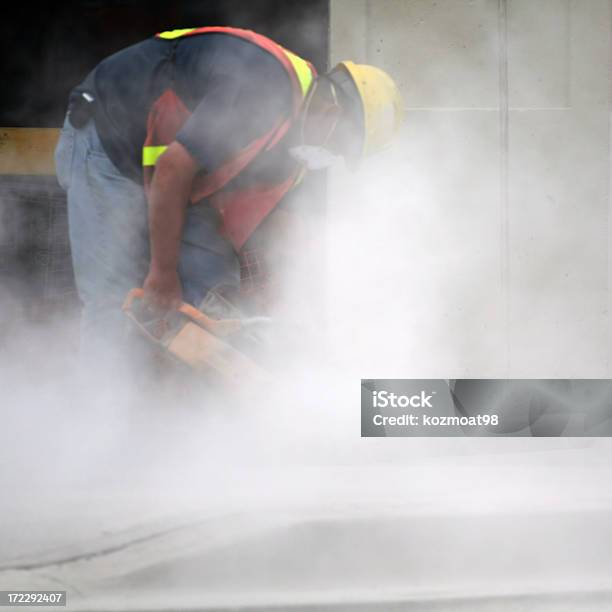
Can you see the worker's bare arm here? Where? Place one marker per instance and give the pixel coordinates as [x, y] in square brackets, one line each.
[168, 200]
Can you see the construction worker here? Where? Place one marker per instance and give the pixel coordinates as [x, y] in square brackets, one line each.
[177, 150]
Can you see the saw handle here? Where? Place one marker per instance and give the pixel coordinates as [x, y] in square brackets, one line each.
[219, 327]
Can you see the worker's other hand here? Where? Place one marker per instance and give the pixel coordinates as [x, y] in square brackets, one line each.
[162, 291]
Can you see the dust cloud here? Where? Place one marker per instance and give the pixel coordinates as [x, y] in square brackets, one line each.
[162, 474]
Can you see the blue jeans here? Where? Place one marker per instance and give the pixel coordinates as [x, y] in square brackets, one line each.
[109, 238]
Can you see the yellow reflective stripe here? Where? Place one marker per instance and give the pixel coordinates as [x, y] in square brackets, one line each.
[150, 155]
[172, 34]
[302, 69]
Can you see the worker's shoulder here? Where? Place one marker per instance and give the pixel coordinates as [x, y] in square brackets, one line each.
[139, 56]
[230, 54]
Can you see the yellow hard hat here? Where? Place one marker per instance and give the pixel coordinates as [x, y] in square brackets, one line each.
[382, 107]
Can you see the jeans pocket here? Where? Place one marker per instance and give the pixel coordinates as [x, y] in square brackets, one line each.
[64, 153]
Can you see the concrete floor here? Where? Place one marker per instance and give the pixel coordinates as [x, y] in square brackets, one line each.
[132, 501]
[479, 532]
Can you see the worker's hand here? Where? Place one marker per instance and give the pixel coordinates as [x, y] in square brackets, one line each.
[162, 291]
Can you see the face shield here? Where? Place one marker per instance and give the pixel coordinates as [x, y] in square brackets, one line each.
[330, 128]
[320, 117]
[350, 132]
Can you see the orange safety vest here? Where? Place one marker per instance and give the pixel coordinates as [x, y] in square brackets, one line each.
[243, 208]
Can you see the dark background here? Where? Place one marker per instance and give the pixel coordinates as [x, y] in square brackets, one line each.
[49, 48]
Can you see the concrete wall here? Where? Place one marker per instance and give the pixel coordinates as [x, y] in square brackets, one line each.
[500, 181]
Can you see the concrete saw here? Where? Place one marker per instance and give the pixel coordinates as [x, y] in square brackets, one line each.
[212, 346]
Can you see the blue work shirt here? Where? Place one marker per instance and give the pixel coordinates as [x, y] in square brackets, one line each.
[235, 90]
